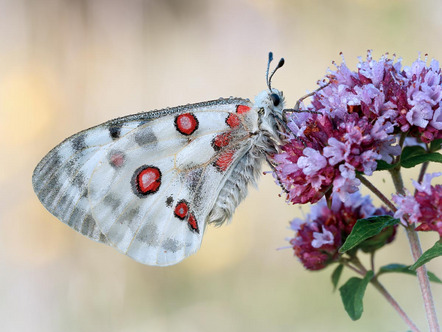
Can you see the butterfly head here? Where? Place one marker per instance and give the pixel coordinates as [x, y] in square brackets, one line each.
[270, 102]
[270, 105]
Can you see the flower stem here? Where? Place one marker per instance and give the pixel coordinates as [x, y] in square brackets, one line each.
[416, 252]
[422, 171]
[351, 267]
[394, 304]
[376, 284]
[397, 181]
[376, 191]
[424, 282]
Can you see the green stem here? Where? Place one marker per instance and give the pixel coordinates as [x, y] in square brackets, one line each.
[402, 139]
[372, 260]
[376, 284]
[424, 282]
[376, 191]
[351, 267]
[416, 251]
[422, 171]
[397, 181]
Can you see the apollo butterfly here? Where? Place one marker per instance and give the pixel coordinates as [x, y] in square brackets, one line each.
[148, 184]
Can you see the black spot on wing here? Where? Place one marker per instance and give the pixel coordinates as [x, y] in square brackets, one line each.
[102, 238]
[115, 132]
[79, 180]
[149, 228]
[129, 215]
[71, 164]
[171, 245]
[78, 143]
[112, 201]
[148, 235]
[145, 136]
[169, 201]
[88, 226]
[194, 179]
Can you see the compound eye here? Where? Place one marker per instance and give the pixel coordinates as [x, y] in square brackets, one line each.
[275, 99]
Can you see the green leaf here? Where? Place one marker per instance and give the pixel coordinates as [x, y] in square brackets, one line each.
[415, 155]
[401, 268]
[412, 151]
[352, 294]
[366, 228]
[378, 241]
[336, 275]
[435, 145]
[433, 252]
[384, 166]
[413, 161]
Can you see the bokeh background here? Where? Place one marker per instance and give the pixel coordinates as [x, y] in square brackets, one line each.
[66, 65]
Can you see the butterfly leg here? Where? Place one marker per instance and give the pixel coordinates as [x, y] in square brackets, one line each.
[276, 174]
[298, 103]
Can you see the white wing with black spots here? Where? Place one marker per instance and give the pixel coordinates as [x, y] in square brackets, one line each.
[148, 183]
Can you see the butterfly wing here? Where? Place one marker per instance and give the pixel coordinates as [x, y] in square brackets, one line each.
[146, 183]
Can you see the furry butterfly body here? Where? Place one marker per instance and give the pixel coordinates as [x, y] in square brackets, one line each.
[148, 184]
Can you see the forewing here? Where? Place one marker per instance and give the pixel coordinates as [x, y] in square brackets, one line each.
[145, 183]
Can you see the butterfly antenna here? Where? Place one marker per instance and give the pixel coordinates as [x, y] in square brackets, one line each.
[269, 82]
[268, 69]
[269, 79]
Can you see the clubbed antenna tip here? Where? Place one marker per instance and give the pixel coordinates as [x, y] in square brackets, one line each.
[279, 65]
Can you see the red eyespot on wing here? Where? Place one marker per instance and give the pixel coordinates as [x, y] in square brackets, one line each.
[224, 160]
[117, 159]
[240, 109]
[186, 123]
[193, 225]
[233, 120]
[146, 180]
[181, 209]
[221, 140]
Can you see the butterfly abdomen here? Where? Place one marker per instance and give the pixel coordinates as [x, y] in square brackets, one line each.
[247, 170]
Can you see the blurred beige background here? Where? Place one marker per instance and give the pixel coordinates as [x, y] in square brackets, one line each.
[66, 65]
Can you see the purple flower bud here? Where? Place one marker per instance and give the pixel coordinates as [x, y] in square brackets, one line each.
[424, 207]
[312, 162]
[318, 238]
[425, 186]
[335, 151]
[321, 239]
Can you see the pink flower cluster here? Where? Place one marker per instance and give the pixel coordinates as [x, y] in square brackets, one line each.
[319, 237]
[424, 207]
[355, 121]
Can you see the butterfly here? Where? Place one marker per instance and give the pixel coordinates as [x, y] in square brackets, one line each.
[147, 184]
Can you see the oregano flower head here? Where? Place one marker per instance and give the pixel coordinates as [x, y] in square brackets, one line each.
[355, 121]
